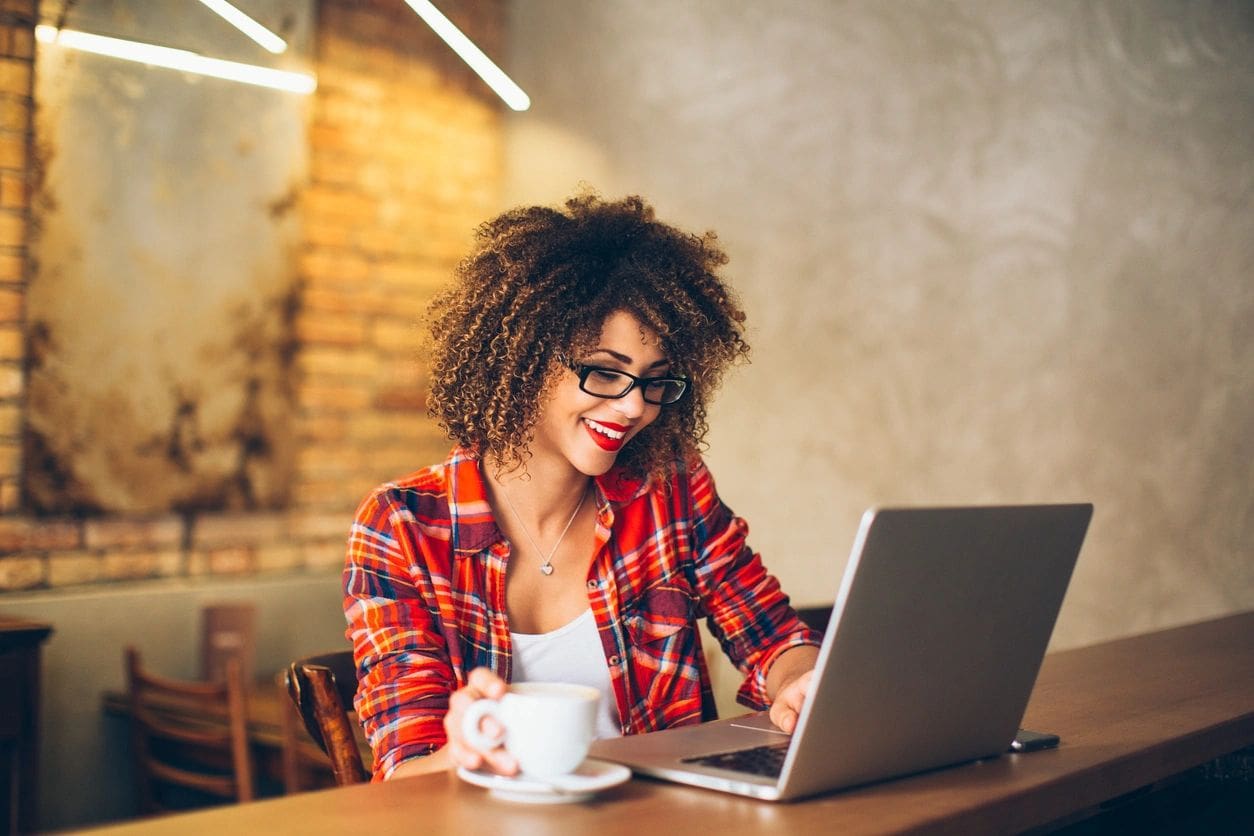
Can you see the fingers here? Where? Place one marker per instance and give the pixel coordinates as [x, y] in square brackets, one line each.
[481, 684]
[786, 709]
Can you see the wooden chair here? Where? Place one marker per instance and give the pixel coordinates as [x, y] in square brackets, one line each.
[321, 687]
[228, 630]
[815, 618]
[208, 757]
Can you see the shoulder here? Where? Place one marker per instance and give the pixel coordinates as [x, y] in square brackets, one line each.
[421, 496]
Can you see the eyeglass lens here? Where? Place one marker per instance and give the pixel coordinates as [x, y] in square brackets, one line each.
[607, 383]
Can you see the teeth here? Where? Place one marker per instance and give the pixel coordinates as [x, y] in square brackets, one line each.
[603, 430]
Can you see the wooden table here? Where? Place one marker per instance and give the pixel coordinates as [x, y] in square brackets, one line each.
[1131, 713]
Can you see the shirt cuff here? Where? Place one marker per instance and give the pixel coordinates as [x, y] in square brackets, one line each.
[752, 692]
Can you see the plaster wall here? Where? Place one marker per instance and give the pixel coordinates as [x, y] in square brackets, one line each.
[159, 318]
[83, 768]
[990, 251]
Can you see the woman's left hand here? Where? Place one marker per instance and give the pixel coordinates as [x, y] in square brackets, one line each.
[788, 701]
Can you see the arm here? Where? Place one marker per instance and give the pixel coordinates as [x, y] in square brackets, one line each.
[404, 673]
[788, 684]
[482, 683]
[750, 615]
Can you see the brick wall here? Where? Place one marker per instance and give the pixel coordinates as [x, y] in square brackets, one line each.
[405, 157]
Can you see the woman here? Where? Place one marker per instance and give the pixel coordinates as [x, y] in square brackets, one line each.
[574, 533]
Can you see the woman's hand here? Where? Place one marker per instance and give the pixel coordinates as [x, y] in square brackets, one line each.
[786, 707]
[788, 683]
[481, 684]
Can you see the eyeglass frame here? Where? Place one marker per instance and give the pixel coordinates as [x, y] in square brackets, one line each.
[584, 369]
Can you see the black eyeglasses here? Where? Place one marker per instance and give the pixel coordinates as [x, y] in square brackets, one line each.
[614, 384]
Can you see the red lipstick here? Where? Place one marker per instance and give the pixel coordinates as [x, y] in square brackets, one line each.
[611, 445]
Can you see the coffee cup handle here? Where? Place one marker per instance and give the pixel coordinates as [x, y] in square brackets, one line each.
[470, 725]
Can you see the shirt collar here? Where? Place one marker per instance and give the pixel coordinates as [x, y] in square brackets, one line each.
[470, 514]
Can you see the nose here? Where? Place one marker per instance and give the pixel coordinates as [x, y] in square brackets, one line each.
[631, 406]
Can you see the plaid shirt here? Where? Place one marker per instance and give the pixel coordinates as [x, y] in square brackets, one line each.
[424, 590]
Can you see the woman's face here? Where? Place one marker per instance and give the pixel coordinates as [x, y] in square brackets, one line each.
[588, 431]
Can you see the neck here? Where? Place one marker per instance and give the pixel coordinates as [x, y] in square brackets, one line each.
[542, 498]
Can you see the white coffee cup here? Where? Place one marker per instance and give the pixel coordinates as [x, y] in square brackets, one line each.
[548, 726]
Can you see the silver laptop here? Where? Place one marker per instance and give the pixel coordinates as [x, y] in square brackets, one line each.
[935, 640]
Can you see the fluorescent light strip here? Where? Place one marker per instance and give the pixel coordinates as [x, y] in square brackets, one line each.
[177, 59]
[500, 83]
[247, 25]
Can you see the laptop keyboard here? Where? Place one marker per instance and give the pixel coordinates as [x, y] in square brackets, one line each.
[760, 760]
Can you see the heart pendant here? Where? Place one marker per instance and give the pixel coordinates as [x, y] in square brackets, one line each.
[546, 568]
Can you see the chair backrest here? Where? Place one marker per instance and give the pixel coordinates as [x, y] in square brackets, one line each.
[228, 630]
[321, 688]
[190, 735]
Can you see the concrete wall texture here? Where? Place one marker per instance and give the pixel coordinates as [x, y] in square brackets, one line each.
[990, 251]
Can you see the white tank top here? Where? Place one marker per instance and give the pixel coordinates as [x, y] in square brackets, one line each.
[571, 653]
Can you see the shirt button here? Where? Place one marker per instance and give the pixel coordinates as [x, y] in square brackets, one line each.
[593, 584]
[614, 660]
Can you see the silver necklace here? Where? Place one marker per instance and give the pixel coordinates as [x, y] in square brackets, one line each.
[546, 566]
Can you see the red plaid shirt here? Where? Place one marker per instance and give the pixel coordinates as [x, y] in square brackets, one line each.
[424, 589]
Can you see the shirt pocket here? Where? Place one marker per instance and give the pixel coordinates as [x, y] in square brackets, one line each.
[661, 611]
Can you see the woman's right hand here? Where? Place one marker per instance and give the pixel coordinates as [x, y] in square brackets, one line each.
[481, 684]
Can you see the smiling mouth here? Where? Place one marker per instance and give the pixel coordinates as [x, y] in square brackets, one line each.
[607, 436]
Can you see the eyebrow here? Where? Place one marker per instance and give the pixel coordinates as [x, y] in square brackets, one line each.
[625, 360]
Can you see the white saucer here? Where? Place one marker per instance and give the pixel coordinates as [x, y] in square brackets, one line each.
[591, 777]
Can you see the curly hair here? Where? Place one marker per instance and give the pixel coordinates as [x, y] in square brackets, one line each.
[536, 290]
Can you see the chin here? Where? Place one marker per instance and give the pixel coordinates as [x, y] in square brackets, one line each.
[595, 466]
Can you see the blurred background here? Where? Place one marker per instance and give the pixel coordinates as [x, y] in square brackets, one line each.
[991, 252]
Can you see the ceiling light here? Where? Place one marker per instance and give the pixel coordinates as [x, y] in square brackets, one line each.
[177, 59]
[502, 84]
[247, 25]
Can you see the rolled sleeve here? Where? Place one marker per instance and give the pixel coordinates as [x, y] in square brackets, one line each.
[750, 615]
[404, 675]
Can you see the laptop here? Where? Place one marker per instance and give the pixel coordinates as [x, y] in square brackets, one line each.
[936, 637]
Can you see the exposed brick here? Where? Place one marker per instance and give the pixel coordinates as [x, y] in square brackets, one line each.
[13, 151]
[19, 534]
[74, 568]
[121, 566]
[23, 8]
[10, 458]
[22, 572]
[231, 529]
[277, 558]
[333, 267]
[22, 43]
[396, 336]
[341, 396]
[12, 267]
[327, 494]
[327, 234]
[231, 560]
[14, 192]
[15, 76]
[12, 344]
[316, 526]
[12, 226]
[10, 495]
[325, 329]
[328, 554]
[148, 533]
[338, 203]
[12, 381]
[14, 114]
[334, 362]
[11, 303]
[10, 421]
[410, 400]
[323, 428]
